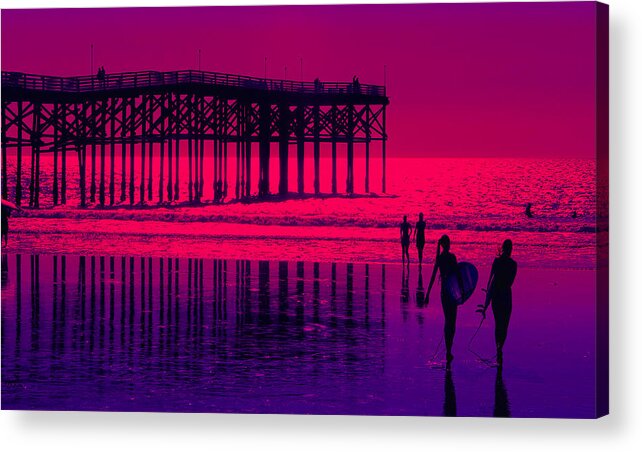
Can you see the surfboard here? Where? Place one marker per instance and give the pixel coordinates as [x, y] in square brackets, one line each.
[469, 277]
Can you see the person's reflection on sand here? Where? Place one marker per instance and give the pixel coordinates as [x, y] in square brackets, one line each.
[420, 293]
[502, 405]
[450, 400]
[5, 270]
[405, 291]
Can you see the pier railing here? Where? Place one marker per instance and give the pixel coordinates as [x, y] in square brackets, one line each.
[133, 80]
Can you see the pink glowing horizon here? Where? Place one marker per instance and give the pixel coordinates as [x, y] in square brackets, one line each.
[469, 80]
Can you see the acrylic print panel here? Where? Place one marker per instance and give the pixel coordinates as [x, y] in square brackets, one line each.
[207, 213]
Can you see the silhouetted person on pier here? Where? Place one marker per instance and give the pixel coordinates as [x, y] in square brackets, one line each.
[404, 232]
[420, 236]
[101, 76]
[318, 86]
[498, 290]
[6, 213]
[528, 211]
[446, 263]
[355, 84]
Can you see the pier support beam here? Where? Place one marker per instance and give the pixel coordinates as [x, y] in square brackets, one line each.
[300, 148]
[56, 138]
[224, 144]
[112, 152]
[34, 185]
[383, 150]
[150, 161]
[63, 176]
[132, 136]
[284, 136]
[82, 170]
[161, 175]
[239, 165]
[350, 138]
[123, 152]
[103, 144]
[367, 130]
[190, 143]
[177, 109]
[94, 124]
[334, 149]
[264, 149]
[317, 149]
[248, 168]
[170, 131]
[143, 145]
[19, 154]
[248, 151]
[201, 150]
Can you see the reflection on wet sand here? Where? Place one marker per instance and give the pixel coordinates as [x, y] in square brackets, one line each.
[165, 319]
[502, 405]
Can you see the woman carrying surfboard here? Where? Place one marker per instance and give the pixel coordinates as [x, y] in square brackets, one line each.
[446, 263]
[500, 281]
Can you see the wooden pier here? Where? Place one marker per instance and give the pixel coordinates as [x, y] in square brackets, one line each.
[144, 116]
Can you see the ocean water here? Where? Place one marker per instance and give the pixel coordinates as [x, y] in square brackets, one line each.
[479, 202]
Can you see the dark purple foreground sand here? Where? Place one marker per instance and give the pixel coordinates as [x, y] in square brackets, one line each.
[168, 334]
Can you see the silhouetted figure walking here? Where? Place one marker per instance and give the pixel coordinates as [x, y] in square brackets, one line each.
[528, 211]
[404, 231]
[420, 236]
[446, 263]
[6, 213]
[499, 292]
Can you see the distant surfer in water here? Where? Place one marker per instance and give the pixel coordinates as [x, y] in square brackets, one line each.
[528, 211]
[499, 291]
[404, 232]
[420, 236]
[446, 263]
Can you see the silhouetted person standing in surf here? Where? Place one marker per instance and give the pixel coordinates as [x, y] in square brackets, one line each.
[528, 211]
[404, 232]
[498, 290]
[420, 235]
[6, 213]
[446, 263]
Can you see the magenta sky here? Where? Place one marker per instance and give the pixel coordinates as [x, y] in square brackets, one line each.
[512, 79]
